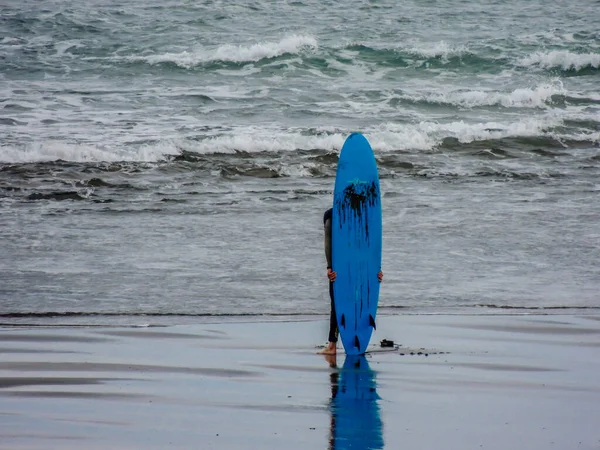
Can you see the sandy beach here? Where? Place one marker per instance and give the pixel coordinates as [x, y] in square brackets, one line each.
[455, 382]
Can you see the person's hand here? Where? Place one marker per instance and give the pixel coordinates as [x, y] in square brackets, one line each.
[331, 275]
[380, 276]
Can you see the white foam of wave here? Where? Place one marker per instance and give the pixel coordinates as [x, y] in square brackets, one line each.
[256, 139]
[293, 44]
[561, 59]
[422, 136]
[440, 49]
[582, 137]
[62, 46]
[427, 135]
[66, 151]
[537, 97]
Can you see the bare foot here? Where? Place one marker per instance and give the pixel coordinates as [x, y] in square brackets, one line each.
[331, 349]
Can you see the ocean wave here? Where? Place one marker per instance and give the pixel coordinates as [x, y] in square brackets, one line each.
[422, 136]
[67, 151]
[293, 44]
[440, 49]
[425, 50]
[390, 136]
[436, 54]
[431, 134]
[563, 60]
[449, 56]
[538, 97]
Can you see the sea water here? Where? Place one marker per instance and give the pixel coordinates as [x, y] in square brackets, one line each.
[170, 161]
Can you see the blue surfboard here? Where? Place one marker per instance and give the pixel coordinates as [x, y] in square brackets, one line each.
[356, 243]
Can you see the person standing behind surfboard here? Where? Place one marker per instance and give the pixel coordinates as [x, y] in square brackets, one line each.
[331, 348]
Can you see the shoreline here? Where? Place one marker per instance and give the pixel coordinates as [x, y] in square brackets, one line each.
[124, 320]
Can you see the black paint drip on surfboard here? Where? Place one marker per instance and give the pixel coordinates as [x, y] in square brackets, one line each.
[357, 197]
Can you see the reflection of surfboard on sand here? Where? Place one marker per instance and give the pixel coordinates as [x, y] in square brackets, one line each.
[355, 418]
[356, 243]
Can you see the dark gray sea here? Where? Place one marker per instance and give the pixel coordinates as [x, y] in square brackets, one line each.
[170, 161]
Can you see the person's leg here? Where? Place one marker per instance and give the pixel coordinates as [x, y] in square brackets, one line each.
[331, 348]
[333, 328]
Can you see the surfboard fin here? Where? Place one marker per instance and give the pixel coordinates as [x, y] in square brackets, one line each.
[343, 321]
[356, 342]
[372, 322]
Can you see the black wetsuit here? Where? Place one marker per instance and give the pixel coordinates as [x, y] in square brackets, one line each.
[327, 224]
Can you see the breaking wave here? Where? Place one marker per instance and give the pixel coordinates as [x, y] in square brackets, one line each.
[422, 136]
[563, 60]
[293, 44]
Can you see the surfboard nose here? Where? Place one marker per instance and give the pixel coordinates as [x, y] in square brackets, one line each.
[357, 138]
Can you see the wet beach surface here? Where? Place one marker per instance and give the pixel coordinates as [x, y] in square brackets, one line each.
[454, 382]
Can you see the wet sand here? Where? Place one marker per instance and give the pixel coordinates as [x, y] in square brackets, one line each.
[456, 382]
